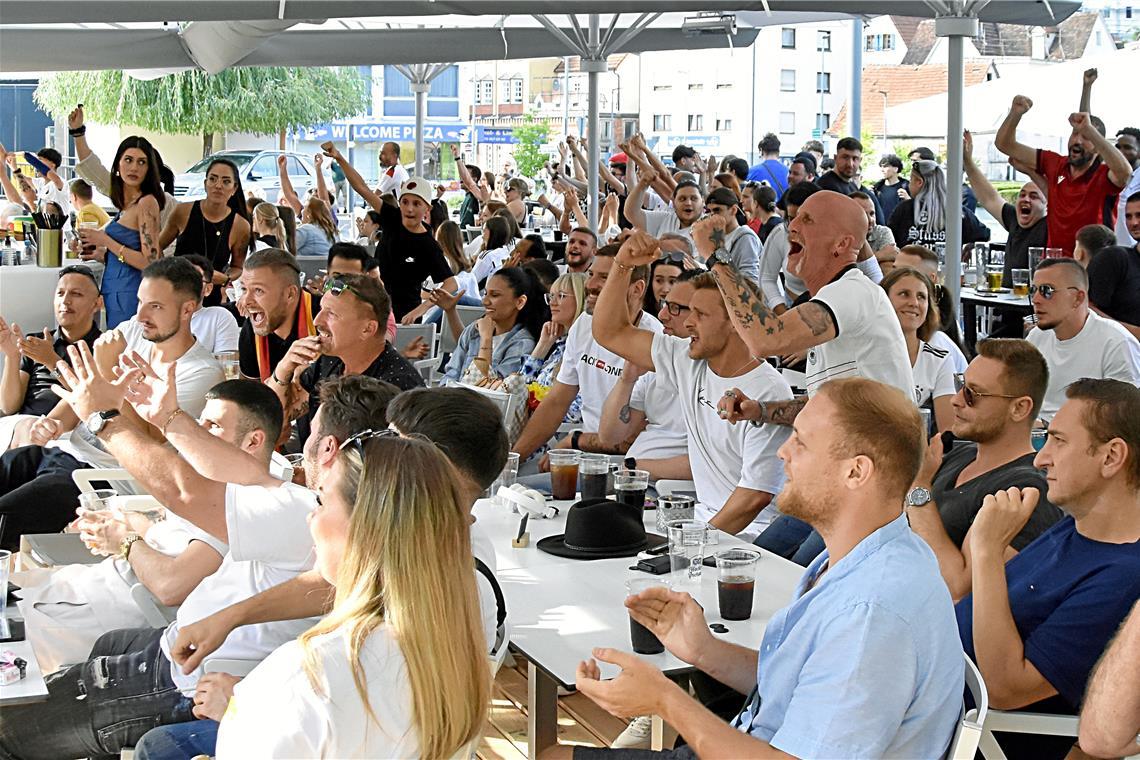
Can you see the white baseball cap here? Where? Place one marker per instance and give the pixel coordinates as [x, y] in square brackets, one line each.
[417, 186]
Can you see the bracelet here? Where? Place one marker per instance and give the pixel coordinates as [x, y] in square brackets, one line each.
[763, 414]
[273, 374]
[78, 131]
[620, 265]
[170, 419]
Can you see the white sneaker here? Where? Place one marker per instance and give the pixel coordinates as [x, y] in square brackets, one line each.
[637, 735]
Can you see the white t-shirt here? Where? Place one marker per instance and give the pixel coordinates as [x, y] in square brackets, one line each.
[391, 179]
[657, 223]
[490, 262]
[933, 374]
[664, 434]
[1102, 349]
[869, 341]
[276, 713]
[1133, 186]
[724, 457]
[957, 358]
[270, 543]
[195, 372]
[215, 328]
[595, 370]
[47, 192]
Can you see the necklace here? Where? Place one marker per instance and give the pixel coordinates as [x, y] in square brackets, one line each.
[751, 360]
[217, 234]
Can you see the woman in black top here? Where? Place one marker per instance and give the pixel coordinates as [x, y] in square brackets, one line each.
[216, 227]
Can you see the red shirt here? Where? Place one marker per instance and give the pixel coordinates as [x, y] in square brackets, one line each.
[1076, 201]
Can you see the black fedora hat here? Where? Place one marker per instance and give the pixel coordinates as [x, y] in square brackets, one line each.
[599, 529]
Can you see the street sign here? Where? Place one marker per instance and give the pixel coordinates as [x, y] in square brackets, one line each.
[816, 134]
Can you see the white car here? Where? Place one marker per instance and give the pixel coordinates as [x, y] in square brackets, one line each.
[257, 169]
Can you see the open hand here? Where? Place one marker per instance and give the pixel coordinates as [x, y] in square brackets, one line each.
[635, 691]
[90, 391]
[153, 396]
[417, 349]
[675, 618]
[10, 340]
[967, 144]
[444, 300]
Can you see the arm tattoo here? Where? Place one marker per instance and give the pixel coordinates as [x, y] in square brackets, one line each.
[624, 414]
[744, 303]
[149, 251]
[784, 412]
[717, 238]
[817, 318]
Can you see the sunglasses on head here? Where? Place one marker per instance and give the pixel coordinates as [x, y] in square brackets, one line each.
[969, 394]
[1047, 291]
[673, 257]
[336, 286]
[356, 440]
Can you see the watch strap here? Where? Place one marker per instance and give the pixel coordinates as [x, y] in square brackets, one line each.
[126, 544]
[574, 438]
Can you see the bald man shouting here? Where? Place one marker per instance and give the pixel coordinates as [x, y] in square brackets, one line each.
[844, 321]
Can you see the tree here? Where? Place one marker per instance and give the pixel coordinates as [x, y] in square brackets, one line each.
[531, 137]
[264, 101]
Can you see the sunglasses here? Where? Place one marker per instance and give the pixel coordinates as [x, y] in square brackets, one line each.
[336, 286]
[675, 308]
[673, 257]
[1047, 291]
[356, 440]
[969, 394]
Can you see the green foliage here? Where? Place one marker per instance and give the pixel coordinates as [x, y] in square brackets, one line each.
[263, 101]
[532, 135]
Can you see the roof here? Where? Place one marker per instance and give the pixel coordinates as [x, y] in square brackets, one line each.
[1067, 40]
[903, 84]
[612, 63]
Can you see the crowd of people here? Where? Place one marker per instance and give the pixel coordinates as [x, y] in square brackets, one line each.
[778, 334]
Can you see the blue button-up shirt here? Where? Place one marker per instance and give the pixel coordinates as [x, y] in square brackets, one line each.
[867, 661]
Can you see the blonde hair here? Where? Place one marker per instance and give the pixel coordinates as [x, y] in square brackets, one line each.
[575, 283]
[408, 565]
[450, 240]
[268, 214]
[321, 216]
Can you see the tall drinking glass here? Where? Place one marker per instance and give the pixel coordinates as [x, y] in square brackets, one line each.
[687, 548]
[564, 473]
[594, 474]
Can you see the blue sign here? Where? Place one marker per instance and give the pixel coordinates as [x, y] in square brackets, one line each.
[384, 131]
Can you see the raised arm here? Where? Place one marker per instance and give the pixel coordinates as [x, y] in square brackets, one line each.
[633, 210]
[612, 326]
[1086, 90]
[465, 177]
[989, 197]
[1006, 138]
[579, 158]
[7, 161]
[1119, 170]
[611, 180]
[13, 381]
[288, 194]
[354, 179]
[322, 187]
[666, 183]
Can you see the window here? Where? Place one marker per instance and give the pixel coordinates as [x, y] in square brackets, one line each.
[517, 90]
[696, 87]
[696, 122]
[822, 81]
[788, 38]
[787, 80]
[264, 167]
[630, 129]
[822, 121]
[662, 87]
[662, 123]
[484, 91]
[787, 122]
[823, 44]
[724, 86]
[724, 125]
[878, 42]
[296, 168]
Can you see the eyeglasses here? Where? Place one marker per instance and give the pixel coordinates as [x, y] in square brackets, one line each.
[552, 298]
[336, 286]
[969, 394]
[675, 308]
[1047, 291]
[356, 440]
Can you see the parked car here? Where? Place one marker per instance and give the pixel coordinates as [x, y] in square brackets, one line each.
[257, 168]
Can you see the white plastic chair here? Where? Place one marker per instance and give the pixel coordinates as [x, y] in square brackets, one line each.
[503, 400]
[1016, 722]
[405, 334]
[970, 728]
[666, 487]
[157, 614]
[428, 369]
[502, 647]
[467, 315]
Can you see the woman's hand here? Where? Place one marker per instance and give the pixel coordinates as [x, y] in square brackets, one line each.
[444, 300]
[486, 328]
[212, 695]
[97, 237]
[551, 332]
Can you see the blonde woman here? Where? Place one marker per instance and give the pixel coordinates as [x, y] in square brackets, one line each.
[317, 232]
[399, 666]
[567, 299]
[268, 227]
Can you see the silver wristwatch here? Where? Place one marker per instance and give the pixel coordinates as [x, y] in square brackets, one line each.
[918, 497]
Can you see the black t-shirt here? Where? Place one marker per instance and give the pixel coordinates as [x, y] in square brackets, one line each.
[38, 397]
[888, 195]
[247, 349]
[959, 505]
[829, 180]
[907, 231]
[406, 260]
[390, 366]
[1020, 240]
[1114, 283]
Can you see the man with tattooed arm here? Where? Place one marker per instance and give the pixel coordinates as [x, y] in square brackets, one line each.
[844, 321]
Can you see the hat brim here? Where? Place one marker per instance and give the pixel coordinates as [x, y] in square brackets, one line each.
[556, 545]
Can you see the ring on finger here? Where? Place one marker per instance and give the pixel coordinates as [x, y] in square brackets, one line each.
[730, 393]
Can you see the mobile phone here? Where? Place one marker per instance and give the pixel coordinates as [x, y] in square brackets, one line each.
[654, 566]
[658, 550]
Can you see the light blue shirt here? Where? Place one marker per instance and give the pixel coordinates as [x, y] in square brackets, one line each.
[506, 357]
[867, 663]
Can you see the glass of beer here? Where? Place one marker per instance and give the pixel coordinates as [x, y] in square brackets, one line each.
[993, 277]
[564, 473]
[736, 582]
[231, 364]
[1020, 278]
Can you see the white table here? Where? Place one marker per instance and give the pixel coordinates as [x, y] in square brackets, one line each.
[31, 688]
[559, 609]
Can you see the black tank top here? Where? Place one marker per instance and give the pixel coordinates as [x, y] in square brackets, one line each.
[209, 239]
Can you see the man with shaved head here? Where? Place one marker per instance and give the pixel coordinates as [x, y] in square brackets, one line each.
[843, 321]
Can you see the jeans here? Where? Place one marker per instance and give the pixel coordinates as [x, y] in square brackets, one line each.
[98, 707]
[179, 741]
[37, 494]
[791, 539]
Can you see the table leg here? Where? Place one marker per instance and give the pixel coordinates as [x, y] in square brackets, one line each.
[970, 323]
[542, 711]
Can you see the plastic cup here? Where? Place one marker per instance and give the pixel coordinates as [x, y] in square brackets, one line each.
[630, 487]
[1020, 279]
[564, 473]
[1036, 254]
[643, 640]
[687, 540]
[297, 462]
[95, 501]
[993, 277]
[594, 474]
[736, 582]
[506, 478]
[231, 364]
[673, 508]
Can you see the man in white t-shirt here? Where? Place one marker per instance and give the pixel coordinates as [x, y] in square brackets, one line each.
[67, 608]
[392, 174]
[587, 368]
[688, 205]
[847, 326]
[735, 469]
[1076, 341]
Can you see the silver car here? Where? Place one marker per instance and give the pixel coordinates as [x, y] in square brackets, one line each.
[257, 169]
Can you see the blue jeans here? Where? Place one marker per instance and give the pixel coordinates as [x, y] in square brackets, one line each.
[96, 708]
[179, 741]
[792, 539]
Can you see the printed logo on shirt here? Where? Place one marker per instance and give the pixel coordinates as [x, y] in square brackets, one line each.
[600, 364]
[703, 399]
[1060, 179]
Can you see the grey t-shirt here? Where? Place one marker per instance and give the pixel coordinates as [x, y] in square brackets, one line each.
[958, 506]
